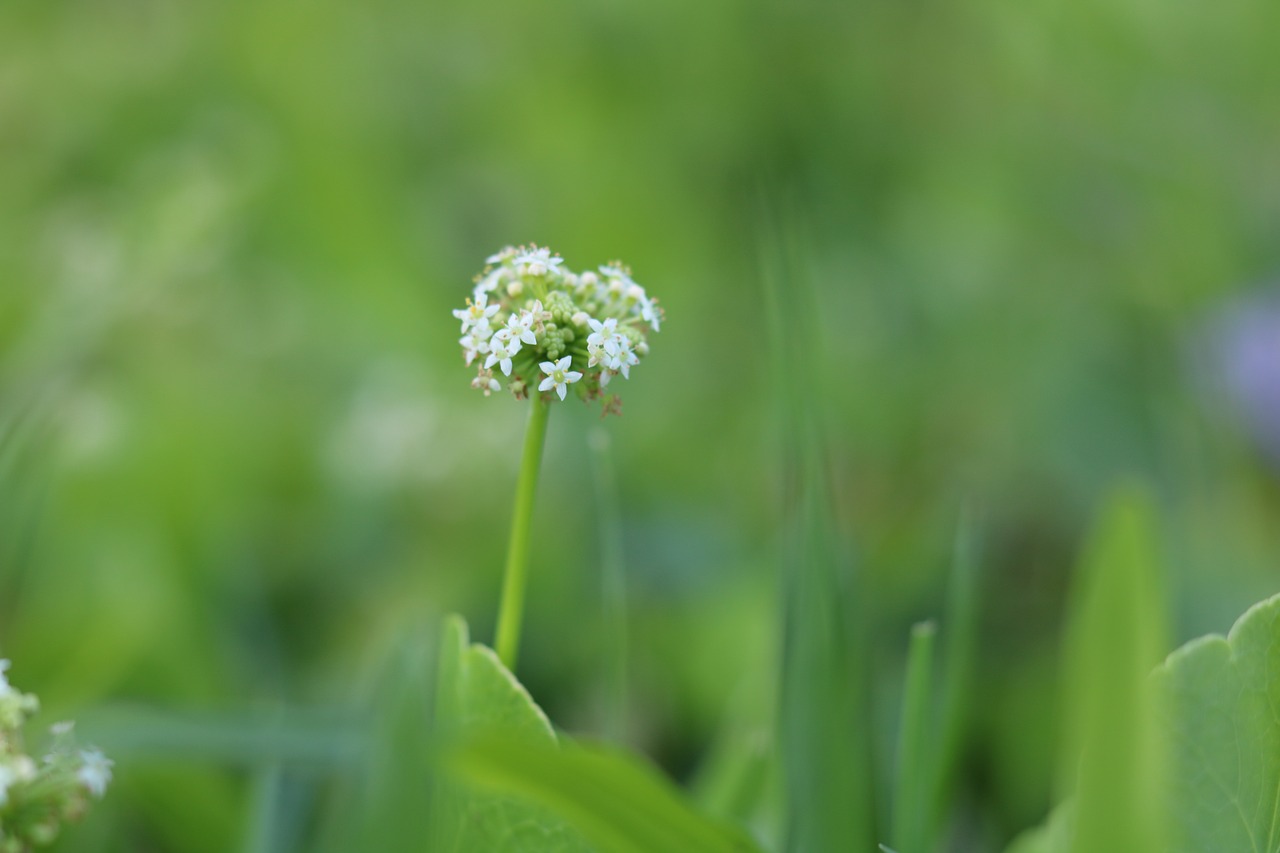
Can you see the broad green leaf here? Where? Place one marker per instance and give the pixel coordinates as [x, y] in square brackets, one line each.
[1115, 636]
[477, 694]
[618, 802]
[1223, 728]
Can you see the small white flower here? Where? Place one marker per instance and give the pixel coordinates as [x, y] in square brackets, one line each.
[475, 342]
[486, 383]
[489, 283]
[95, 771]
[504, 255]
[580, 318]
[622, 358]
[617, 273]
[476, 312]
[650, 313]
[502, 346]
[535, 261]
[603, 334]
[521, 326]
[559, 376]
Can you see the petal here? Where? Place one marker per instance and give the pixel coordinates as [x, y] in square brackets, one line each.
[563, 364]
[547, 367]
[488, 362]
[528, 338]
[560, 391]
[506, 366]
[546, 383]
[572, 376]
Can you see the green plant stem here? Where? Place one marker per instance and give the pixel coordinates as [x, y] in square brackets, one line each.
[511, 609]
[911, 801]
[613, 585]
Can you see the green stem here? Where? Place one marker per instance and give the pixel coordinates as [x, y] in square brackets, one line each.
[511, 609]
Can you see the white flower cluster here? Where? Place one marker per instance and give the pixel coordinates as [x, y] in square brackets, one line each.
[537, 321]
[37, 798]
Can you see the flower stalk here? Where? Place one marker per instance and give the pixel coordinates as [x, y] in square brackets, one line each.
[511, 606]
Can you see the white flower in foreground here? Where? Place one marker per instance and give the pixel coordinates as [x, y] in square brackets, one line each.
[476, 313]
[501, 348]
[535, 261]
[622, 358]
[559, 376]
[475, 342]
[521, 326]
[95, 771]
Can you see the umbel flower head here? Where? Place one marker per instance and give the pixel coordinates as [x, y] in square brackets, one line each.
[36, 798]
[534, 326]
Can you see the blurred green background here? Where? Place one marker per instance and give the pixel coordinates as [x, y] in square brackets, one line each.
[238, 450]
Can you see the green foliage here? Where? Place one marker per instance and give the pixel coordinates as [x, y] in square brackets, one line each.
[1215, 729]
[1054, 837]
[917, 748]
[476, 693]
[1222, 726]
[1115, 635]
[621, 804]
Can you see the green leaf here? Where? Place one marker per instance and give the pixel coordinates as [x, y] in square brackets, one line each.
[477, 694]
[1223, 727]
[618, 802]
[1053, 837]
[1115, 636]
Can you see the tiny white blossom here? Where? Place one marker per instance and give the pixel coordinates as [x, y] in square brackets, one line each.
[489, 283]
[616, 273]
[476, 312]
[603, 334]
[535, 261]
[486, 383]
[650, 313]
[521, 326]
[475, 342]
[95, 771]
[559, 376]
[501, 348]
[621, 359]
[580, 318]
[502, 256]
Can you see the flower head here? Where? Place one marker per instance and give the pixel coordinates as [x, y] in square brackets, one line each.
[533, 318]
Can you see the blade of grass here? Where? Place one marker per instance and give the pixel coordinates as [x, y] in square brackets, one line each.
[824, 731]
[613, 585]
[959, 635]
[911, 802]
[1115, 636]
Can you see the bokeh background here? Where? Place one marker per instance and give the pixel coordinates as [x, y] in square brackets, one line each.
[239, 453]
